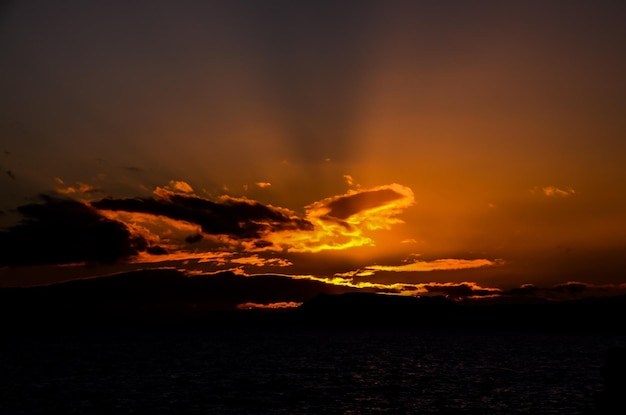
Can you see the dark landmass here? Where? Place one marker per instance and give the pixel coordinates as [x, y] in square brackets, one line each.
[361, 310]
[168, 300]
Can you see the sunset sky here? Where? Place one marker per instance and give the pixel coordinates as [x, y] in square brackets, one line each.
[409, 146]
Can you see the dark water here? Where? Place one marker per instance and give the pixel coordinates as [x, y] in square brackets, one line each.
[301, 372]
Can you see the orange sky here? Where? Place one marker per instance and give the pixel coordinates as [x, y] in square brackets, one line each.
[375, 142]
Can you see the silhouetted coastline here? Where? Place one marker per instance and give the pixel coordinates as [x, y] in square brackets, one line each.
[163, 300]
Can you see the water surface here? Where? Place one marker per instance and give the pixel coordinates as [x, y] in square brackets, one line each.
[281, 372]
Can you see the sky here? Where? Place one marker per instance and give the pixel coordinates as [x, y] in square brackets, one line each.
[411, 147]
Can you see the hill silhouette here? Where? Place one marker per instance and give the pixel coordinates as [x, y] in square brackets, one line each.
[168, 299]
[149, 298]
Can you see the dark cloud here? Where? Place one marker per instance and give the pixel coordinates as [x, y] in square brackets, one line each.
[156, 250]
[63, 231]
[134, 169]
[573, 288]
[237, 218]
[347, 205]
[566, 291]
[526, 290]
[460, 290]
[262, 244]
[193, 238]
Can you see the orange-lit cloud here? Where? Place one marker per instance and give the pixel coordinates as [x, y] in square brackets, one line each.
[335, 223]
[261, 262]
[349, 282]
[553, 191]
[436, 265]
[340, 222]
[174, 225]
[237, 219]
[180, 186]
[79, 187]
[155, 225]
[263, 185]
[356, 273]
[217, 258]
[176, 186]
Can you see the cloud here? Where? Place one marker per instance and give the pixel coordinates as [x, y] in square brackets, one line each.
[349, 180]
[263, 185]
[180, 186]
[218, 259]
[79, 187]
[63, 231]
[436, 265]
[459, 290]
[566, 291]
[340, 222]
[348, 282]
[170, 233]
[261, 262]
[194, 238]
[175, 226]
[553, 191]
[233, 217]
[355, 273]
[342, 207]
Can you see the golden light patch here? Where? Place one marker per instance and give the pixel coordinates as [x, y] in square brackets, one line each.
[339, 222]
[180, 186]
[436, 265]
[261, 262]
[216, 258]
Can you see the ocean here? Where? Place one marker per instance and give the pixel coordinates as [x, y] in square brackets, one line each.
[301, 372]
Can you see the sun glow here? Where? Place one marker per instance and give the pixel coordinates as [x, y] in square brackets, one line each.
[339, 222]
